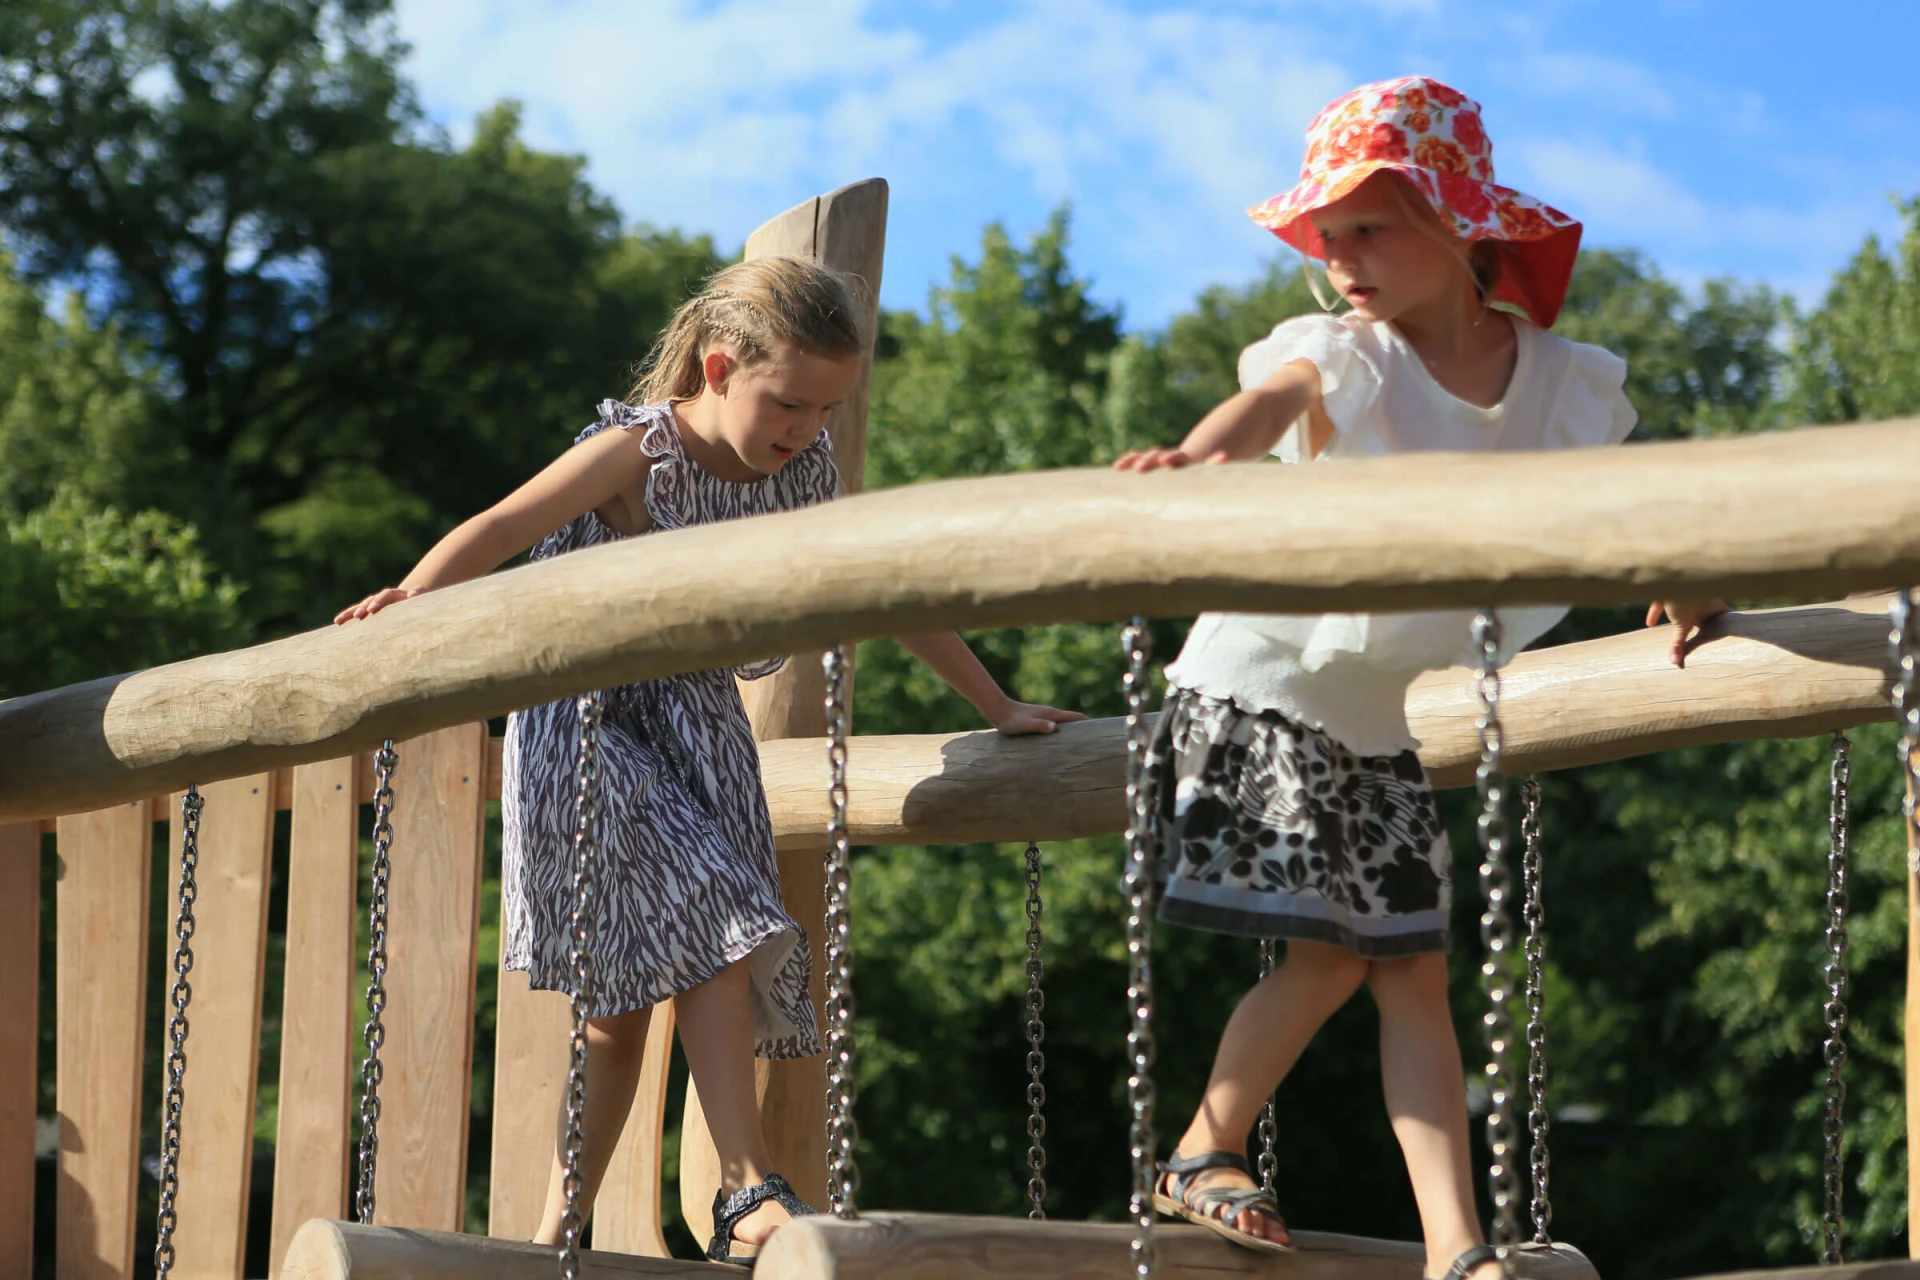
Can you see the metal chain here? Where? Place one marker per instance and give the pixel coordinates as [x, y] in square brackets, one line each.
[1036, 1032]
[582, 935]
[1137, 883]
[1496, 934]
[843, 1174]
[1267, 1164]
[1834, 1125]
[175, 1100]
[1906, 702]
[1535, 915]
[376, 1034]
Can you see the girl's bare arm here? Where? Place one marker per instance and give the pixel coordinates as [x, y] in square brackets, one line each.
[959, 666]
[1249, 424]
[589, 475]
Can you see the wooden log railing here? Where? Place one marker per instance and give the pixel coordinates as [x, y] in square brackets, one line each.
[1802, 513]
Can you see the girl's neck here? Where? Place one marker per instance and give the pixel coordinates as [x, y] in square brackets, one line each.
[1469, 348]
[698, 423]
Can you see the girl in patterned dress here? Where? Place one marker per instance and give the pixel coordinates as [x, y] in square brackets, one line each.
[1291, 803]
[728, 421]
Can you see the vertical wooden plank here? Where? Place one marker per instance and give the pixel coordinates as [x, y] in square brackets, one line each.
[19, 1039]
[313, 1153]
[223, 1042]
[529, 1078]
[105, 860]
[626, 1217]
[439, 810]
[847, 230]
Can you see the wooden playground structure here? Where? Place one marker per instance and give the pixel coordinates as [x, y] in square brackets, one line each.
[291, 725]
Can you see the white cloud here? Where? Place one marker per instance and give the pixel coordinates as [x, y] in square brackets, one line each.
[1603, 186]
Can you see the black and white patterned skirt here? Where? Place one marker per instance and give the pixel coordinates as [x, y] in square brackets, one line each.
[1269, 829]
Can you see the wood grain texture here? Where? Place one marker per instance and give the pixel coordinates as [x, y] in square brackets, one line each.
[529, 1080]
[901, 1246]
[1773, 673]
[1808, 513]
[106, 860]
[847, 230]
[223, 1043]
[438, 836]
[19, 1039]
[348, 1251]
[313, 1154]
[626, 1216]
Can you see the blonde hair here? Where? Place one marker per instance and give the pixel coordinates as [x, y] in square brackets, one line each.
[755, 308]
[1483, 259]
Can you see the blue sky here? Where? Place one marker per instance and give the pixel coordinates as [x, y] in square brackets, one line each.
[1750, 139]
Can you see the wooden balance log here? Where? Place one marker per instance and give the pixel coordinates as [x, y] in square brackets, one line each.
[901, 1246]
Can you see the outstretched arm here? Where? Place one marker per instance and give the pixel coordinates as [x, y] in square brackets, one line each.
[589, 475]
[1249, 424]
[955, 663]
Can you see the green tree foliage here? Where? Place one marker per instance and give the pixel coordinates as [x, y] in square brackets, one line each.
[86, 592]
[1855, 357]
[366, 333]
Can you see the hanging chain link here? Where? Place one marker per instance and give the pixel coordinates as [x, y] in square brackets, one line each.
[582, 935]
[1834, 1125]
[371, 1071]
[1137, 883]
[1906, 702]
[1535, 915]
[1036, 1033]
[1496, 934]
[843, 1174]
[1267, 1164]
[175, 1101]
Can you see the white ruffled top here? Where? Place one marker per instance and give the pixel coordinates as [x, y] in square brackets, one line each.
[1346, 674]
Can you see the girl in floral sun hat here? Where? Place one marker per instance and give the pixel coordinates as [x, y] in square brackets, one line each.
[1290, 801]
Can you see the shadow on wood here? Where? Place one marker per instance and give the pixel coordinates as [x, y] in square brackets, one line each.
[926, 1246]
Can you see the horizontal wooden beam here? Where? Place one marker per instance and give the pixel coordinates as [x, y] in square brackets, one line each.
[942, 1246]
[1777, 673]
[323, 1250]
[1801, 513]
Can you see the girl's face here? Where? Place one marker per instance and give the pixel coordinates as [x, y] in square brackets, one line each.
[1378, 259]
[769, 411]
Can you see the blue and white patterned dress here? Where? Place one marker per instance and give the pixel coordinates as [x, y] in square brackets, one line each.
[688, 881]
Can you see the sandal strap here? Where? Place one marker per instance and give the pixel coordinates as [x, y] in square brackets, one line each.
[1236, 1201]
[1469, 1260]
[729, 1209]
[1181, 1170]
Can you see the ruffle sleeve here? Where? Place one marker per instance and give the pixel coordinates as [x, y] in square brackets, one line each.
[1593, 409]
[1349, 376]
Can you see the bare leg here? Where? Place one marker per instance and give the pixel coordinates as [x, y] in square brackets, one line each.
[1426, 1095]
[1265, 1036]
[616, 1047]
[716, 1031]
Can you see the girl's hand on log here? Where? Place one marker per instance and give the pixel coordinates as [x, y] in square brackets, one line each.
[1688, 617]
[375, 603]
[1144, 460]
[1020, 718]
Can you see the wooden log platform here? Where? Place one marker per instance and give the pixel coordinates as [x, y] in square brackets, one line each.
[1793, 514]
[324, 1250]
[926, 1246]
[897, 1246]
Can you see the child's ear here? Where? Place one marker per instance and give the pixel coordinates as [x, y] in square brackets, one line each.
[718, 367]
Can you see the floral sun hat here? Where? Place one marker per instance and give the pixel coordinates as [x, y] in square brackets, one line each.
[1430, 134]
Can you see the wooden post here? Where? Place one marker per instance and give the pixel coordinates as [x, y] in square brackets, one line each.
[223, 1039]
[845, 229]
[106, 862]
[439, 831]
[19, 1039]
[313, 1154]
